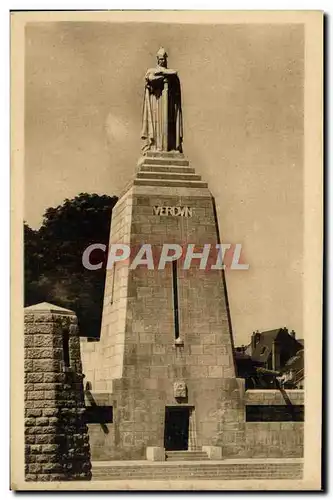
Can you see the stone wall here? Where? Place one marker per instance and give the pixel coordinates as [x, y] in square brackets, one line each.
[102, 432]
[274, 397]
[242, 440]
[274, 439]
[56, 437]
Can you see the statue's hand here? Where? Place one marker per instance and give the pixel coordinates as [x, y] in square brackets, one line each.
[168, 71]
[154, 76]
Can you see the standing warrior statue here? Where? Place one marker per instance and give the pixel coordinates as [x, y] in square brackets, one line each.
[162, 123]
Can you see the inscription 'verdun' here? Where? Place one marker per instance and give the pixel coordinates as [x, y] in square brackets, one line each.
[173, 211]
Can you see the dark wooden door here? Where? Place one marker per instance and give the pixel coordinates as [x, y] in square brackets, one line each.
[176, 428]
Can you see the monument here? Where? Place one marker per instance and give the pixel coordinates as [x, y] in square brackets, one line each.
[162, 122]
[164, 361]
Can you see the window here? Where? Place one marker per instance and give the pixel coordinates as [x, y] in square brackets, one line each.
[275, 413]
[99, 414]
[65, 347]
[175, 298]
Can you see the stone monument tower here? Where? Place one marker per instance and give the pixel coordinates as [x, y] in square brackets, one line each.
[165, 354]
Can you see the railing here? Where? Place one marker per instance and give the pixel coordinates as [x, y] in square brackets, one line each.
[299, 376]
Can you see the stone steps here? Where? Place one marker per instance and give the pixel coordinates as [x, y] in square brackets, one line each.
[166, 168]
[169, 183]
[185, 455]
[164, 161]
[168, 175]
[198, 470]
[163, 154]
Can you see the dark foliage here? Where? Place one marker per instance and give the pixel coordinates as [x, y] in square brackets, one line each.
[53, 266]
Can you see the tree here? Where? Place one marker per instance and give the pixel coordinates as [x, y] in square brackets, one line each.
[53, 258]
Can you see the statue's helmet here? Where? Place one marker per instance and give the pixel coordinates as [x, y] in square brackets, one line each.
[161, 53]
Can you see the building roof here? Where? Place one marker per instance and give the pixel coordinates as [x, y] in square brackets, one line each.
[264, 347]
[47, 307]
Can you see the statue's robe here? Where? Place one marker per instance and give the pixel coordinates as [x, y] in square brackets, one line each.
[154, 131]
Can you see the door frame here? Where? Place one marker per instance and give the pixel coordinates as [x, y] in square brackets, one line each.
[191, 439]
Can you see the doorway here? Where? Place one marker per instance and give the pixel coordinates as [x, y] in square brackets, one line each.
[176, 429]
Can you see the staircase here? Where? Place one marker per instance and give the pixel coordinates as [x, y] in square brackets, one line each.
[185, 455]
[166, 169]
[219, 470]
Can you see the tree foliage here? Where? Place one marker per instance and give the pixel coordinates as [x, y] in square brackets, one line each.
[53, 258]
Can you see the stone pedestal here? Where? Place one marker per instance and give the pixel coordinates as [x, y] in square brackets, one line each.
[56, 438]
[213, 452]
[151, 357]
[155, 454]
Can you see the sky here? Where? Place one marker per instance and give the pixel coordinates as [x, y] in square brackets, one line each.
[242, 96]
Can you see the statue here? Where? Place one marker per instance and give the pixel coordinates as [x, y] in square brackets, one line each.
[162, 123]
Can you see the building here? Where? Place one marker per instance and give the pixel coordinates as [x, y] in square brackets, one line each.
[268, 355]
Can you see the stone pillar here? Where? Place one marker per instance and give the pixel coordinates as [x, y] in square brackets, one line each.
[56, 436]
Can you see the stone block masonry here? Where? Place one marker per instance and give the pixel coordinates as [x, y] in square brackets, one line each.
[274, 397]
[56, 437]
[164, 360]
[279, 438]
[166, 328]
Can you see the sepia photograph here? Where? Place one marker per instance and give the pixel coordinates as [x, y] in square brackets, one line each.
[167, 191]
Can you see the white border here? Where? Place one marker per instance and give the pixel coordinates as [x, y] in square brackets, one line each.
[4, 198]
